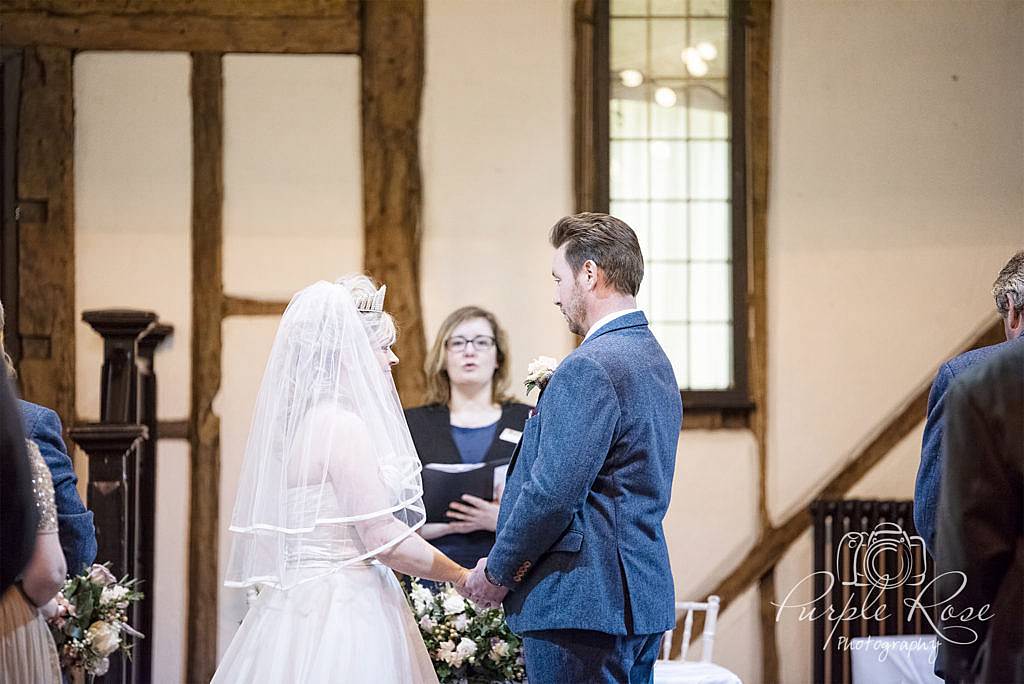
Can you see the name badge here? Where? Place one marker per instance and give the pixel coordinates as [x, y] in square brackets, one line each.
[510, 435]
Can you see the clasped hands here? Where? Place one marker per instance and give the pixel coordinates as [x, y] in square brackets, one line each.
[475, 586]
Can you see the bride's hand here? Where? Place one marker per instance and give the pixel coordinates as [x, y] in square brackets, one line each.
[475, 514]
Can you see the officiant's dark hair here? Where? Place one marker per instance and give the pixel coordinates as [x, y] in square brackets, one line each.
[608, 242]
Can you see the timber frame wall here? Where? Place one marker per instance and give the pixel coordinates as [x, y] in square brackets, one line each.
[387, 36]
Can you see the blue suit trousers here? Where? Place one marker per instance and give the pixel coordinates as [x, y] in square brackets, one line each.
[577, 656]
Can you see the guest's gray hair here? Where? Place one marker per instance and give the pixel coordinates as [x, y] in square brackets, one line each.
[379, 326]
[1009, 286]
[8, 363]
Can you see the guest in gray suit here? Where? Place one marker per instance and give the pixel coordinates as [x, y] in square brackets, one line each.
[580, 557]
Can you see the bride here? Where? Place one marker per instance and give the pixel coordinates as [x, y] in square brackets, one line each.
[328, 504]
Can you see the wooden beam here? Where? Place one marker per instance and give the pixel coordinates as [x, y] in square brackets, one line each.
[281, 27]
[46, 257]
[392, 86]
[590, 112]
[769, 635]
[757, 123]
[207, 294]
[238, 306]
[278, 9]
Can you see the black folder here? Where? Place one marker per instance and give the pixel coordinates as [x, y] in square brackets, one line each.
[440, 488]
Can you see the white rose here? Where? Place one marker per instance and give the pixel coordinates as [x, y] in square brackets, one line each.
[100, 575]
[105, 638]
[453, 604]
[114, 595]
[427, 624]
[541, 364]
[101, 667]
[446, 652]
[461, 622]
[466, 647]
[499, 649]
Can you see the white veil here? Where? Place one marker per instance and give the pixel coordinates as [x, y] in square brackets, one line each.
[330, 476]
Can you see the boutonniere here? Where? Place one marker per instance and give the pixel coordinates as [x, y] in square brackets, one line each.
[539, 372]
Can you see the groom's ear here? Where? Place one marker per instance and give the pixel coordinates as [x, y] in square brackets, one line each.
[590, 270]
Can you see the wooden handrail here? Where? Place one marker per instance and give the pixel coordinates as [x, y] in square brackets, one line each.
[774, 543]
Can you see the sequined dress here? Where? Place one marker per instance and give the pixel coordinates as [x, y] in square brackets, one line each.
[27, 652]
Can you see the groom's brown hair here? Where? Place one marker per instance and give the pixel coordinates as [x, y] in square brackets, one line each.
[608, 242]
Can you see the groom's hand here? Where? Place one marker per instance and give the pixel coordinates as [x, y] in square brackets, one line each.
[480, 590]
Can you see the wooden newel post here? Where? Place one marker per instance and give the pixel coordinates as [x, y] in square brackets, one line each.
[145, 496]
[108, 448]
[120, 329]
[122, 481]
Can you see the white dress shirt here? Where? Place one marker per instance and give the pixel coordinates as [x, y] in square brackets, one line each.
[607, 319]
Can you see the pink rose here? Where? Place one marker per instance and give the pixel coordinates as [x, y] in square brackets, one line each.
[100, 575]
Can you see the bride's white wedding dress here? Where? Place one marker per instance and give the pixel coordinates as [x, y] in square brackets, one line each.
[350, 625]
[330, 481]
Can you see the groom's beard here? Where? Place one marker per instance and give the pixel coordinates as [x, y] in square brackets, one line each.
[575, 314]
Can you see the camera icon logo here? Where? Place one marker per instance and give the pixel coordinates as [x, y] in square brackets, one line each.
[883, 558]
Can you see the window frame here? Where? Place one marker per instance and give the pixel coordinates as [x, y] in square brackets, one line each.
[593, 143]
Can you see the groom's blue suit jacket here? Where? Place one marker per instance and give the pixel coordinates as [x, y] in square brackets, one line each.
[580, 539]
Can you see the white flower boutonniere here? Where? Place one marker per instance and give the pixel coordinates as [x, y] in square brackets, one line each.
[539, 372]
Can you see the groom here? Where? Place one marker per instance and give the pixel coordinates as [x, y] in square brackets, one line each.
[580, 558]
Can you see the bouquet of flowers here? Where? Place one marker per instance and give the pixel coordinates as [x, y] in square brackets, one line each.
[92, 620]
[466, 642]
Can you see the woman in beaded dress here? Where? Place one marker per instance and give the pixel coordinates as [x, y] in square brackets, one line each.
[27, 651]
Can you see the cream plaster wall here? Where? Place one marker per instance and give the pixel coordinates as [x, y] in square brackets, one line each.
[133, 185]
[895, 199]
[496, 145]
[293, 196]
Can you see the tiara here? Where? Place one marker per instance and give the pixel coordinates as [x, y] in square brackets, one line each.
[373, 303]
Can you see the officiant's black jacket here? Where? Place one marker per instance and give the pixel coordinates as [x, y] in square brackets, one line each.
[431, 431]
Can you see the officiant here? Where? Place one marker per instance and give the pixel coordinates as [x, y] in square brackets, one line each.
[469, 418]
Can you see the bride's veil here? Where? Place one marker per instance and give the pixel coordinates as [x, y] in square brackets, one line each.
[330, 475]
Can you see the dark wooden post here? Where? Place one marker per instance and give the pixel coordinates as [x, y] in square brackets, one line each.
[128, 400]
[145, 497]
[121, 329]
[109, 448]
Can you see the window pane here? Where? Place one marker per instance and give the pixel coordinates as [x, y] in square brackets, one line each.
[715, 33]
[668, 170]
[672, 7]
[668, 292]
[710, 293]
[668, 38]
[709, 170]
[673, 339]
[629, 111]
[704, 8]
[711, 231]
[635, 216]
[669, 122]
[712, 345]
[621, 8]
[668, 231]
[629, 170]
[628, 45]
[708, 110]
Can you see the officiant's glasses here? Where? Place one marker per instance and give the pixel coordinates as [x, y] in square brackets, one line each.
[480, 343]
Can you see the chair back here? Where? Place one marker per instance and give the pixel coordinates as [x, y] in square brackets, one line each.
[707, 638]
